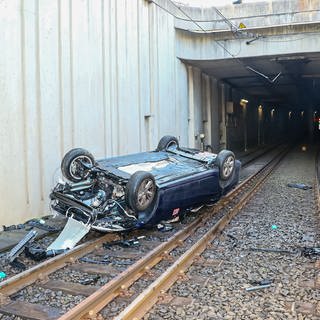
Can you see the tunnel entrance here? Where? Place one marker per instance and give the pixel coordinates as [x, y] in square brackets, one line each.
[269, 97]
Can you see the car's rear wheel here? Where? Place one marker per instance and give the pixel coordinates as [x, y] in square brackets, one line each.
[141, 191]
[226, 163]
[75, 163]
[167, 142]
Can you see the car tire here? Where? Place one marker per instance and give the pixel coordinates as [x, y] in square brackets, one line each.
[167, 141]
[226, 163]
[71, 164]
[141, 191]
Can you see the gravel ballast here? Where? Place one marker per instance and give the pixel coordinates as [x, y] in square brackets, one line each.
[278, 217]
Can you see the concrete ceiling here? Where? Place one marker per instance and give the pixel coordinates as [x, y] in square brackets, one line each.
[297, 86]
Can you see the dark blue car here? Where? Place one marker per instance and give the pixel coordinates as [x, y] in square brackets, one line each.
[132, 191]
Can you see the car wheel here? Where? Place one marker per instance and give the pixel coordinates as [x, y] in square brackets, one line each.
[166, 142]
[226, 163]
[73, 164]
[141, 191]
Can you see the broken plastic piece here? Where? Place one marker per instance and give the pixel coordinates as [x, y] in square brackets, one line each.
[274, 227]
[18, 265]
[35, 253]
[2, 275]
[38, 253]
[301, 186]
[17, 249]
[72, 233]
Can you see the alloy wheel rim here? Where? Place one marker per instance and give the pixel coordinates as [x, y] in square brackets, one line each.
[146, 193]
[76, 170]
[228, 166]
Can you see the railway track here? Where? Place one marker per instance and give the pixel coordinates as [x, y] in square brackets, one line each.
[177, 253]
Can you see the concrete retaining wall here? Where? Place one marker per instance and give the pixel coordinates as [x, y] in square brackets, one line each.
[102, 75]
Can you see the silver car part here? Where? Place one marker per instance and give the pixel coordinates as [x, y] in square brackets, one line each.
[72, 233]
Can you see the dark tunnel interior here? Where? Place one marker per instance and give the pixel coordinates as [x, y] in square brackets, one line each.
[282, 94]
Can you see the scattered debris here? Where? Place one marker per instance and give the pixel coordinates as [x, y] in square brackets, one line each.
[2, 275]
[301, 186]
[17, 249]
[194, 210]
[13, 227]
[271, 250]
[38, 253]
[124, 243]
[164, 227]
[258, 287]
[274, 227]
[41, 224]
[306, 252]
[89, 281]
[310, 252]
[35, 252]
[18, 265]
[89, 260]
[261, 282]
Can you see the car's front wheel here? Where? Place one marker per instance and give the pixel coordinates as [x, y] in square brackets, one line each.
[75, 164]
[141, 191]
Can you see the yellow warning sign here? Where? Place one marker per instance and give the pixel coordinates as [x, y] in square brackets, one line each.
[242, 25]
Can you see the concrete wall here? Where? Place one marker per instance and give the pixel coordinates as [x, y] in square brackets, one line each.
[99, 74]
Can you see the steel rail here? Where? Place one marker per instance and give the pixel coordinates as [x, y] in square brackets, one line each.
[42, 270]
[144, 302]
[91, 306]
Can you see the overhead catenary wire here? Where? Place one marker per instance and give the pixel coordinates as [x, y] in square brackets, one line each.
[238, 18]
[224, 48]
[217, 42]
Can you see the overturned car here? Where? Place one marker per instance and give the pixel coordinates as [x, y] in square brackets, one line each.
[133, 191]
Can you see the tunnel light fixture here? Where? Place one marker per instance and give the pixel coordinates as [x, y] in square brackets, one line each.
[302, 113]
[260, 112]
[243, 102]
[289, 115]
[272, 112]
